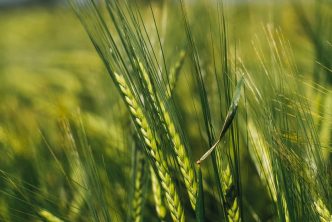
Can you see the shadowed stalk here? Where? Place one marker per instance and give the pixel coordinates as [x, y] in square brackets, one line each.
[199, 210]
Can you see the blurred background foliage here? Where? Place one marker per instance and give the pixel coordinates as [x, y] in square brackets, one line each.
[51, 79]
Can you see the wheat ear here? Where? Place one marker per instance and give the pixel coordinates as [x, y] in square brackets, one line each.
[261, 156]
[323, 212]
[182, 156]
[175, 70]
[156, 155]
[49, 217]
[158, 196]
[140, 171]
[232, 205]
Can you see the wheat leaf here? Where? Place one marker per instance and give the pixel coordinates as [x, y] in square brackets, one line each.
[228, 120]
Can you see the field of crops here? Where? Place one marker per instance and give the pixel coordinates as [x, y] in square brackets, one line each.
[181, 110]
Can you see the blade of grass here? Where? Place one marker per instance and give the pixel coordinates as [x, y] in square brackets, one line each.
[228, 121]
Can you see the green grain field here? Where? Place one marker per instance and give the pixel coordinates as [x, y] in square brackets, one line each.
[169, 110]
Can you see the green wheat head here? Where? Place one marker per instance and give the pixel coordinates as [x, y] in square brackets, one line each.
[182, 157]
[231, 199]
[138, 196]
[158, 196]
[156, 155]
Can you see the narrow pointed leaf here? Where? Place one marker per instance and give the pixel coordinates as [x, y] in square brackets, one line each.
[228, 120]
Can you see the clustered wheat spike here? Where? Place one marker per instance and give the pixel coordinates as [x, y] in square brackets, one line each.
[147, 80]
[323, 212]
[174, 72]
[260, 153]
[182, 156]
[233, 209]
[261, 157]
[172, 198]
[285, 207]
[138, 195]
[78, 174]
[157, 196]
[48, 216]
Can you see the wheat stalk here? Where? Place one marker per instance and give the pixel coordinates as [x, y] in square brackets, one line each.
[157, 156]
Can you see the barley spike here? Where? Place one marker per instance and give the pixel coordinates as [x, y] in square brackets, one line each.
[232, 206]
[172, 198]
[157, 196]
[139, 182]
[182, 156]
